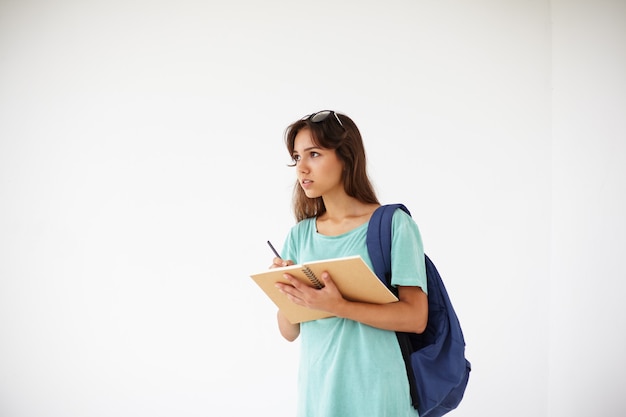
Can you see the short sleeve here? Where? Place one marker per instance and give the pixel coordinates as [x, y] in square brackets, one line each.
[407, 253]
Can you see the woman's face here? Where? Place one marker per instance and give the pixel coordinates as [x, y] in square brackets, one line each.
[319, 170]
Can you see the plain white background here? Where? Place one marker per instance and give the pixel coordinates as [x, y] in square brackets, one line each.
[142, 169]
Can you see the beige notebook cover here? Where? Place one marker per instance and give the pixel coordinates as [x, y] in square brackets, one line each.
[353, 277]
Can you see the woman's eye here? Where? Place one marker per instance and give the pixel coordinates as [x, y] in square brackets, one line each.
[297, 157]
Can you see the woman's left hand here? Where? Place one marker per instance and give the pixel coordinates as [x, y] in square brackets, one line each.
[326, 299]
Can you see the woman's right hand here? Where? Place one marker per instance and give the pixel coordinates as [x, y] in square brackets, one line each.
[289, 331]
[279, 262]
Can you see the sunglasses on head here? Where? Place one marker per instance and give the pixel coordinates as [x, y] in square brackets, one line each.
[320, 116]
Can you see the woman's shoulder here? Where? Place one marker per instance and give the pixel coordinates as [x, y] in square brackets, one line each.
[303, 226]
[402, 221]
[400, 215]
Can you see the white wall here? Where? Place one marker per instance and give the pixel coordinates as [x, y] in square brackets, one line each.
[588, 324]
[142, 169]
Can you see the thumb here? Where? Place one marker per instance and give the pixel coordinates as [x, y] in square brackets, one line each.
[327, 279]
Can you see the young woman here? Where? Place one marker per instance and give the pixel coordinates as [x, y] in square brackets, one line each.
[350, 364]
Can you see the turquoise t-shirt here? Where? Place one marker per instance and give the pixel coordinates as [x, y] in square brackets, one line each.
[349, 369]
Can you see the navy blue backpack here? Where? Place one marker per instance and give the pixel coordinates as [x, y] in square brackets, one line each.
[435, 360]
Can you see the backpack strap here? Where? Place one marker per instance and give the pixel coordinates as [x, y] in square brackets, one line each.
[379, 241]
[435, 360]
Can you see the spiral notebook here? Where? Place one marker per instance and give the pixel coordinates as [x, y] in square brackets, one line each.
[353, 277]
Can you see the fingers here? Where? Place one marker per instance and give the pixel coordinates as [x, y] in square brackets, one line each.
[293, 288]
[279, 262]
[325, 299]
[299, 289]
[302, 287]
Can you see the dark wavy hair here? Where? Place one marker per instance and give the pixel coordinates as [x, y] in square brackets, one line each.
[347, 142]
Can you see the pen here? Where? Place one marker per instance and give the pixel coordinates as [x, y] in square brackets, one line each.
[273, 250]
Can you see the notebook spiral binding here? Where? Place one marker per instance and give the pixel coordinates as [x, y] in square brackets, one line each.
[311, 276]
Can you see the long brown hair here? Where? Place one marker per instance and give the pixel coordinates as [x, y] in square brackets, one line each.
[347, 142]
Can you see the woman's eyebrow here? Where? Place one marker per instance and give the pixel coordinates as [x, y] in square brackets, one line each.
[307, 149]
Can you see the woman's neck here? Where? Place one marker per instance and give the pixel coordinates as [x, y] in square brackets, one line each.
[342, 217]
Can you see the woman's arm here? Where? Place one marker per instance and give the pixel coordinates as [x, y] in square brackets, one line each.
[289, 330]
[409, 314]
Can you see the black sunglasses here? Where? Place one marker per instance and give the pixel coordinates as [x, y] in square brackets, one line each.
[320, 116]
